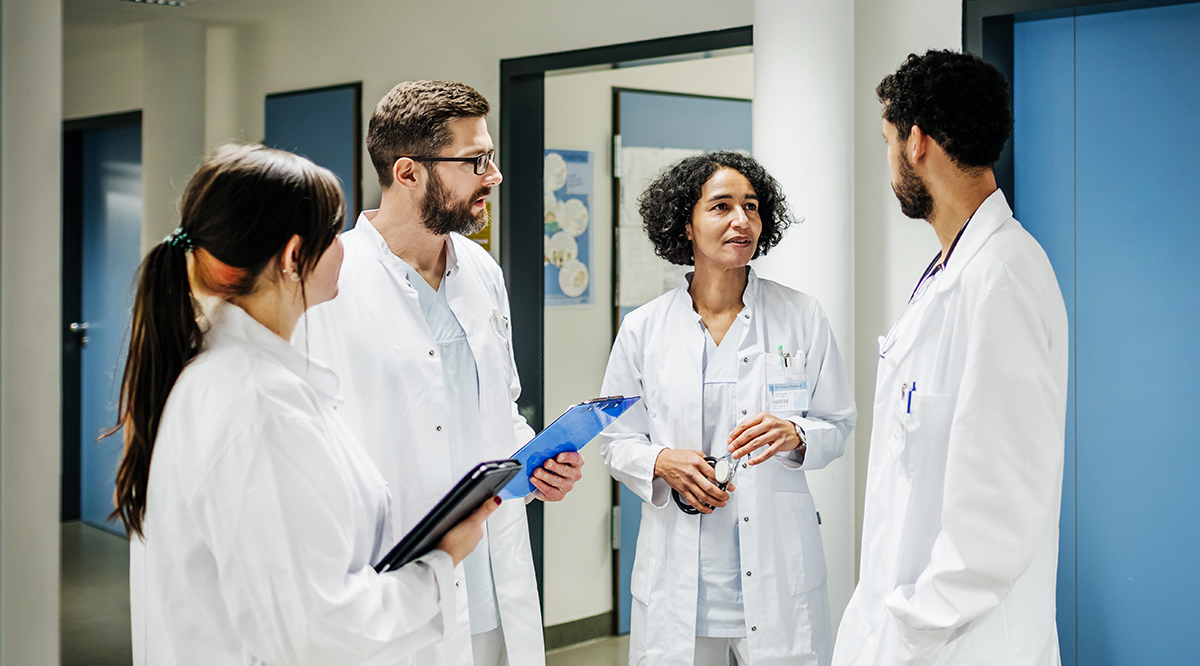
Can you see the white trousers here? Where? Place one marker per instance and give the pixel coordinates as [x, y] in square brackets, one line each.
[716, 652]
[487, 649]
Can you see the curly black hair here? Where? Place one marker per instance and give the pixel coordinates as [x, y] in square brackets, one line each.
[667, 204]
[957, 99]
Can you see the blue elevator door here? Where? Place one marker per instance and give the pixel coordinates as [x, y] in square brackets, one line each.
[112, 235]
[1106, 178]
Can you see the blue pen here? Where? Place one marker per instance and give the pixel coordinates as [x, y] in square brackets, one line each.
[910, 392]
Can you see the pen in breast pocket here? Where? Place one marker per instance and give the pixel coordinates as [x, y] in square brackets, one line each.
[910, 392]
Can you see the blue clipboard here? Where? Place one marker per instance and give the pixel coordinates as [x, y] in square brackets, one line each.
[569, 432]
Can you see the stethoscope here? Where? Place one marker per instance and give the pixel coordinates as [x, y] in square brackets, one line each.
[723, 469]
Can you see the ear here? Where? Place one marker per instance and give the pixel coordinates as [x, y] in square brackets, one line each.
[688, 228]
[918, 145]
[289, 259]
[405, 173]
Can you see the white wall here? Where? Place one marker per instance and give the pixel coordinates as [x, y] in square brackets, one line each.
[890, 250]
[102, 70]
[578, 561]
[30, 329]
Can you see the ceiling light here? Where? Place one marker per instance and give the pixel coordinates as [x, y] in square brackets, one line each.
[161, 3]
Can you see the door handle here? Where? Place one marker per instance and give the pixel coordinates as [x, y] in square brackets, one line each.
[80, 328]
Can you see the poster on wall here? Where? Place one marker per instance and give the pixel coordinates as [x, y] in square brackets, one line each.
[567, 258]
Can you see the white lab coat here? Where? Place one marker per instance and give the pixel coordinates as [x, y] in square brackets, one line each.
[374, 335]
[657, 355]
[960, 530]
[263, 518]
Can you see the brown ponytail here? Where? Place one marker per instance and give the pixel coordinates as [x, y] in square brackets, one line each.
[238, 212]
[164, 336]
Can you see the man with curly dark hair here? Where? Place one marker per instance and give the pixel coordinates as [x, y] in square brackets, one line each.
[737, 375]
[960, 525]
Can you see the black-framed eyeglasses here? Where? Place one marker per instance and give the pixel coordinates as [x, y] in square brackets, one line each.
[480, 162]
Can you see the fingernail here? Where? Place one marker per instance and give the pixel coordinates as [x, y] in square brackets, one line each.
[496, 499]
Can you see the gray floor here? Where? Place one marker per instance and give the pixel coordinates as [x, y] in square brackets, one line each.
[95, 597]
[95, 607]
[608, 651]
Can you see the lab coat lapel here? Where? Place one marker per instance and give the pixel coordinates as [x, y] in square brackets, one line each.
[992, 213]
[686, 361]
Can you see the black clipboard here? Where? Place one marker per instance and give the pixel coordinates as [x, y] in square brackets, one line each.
[485, 480]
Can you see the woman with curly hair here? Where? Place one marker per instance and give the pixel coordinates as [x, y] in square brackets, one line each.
[738, 376]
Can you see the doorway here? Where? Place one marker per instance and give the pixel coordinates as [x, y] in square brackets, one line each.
[102, 221]
[102, 226]
[546, 108]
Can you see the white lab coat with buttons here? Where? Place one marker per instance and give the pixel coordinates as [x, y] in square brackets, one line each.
[263, 519]
[658, 355]
[374, 335]
[964, 481]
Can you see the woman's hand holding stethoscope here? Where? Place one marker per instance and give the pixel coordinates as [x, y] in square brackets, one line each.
[764, 429]
[698, 485]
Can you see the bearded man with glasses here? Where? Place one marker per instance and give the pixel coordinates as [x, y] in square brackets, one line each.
[419, 336]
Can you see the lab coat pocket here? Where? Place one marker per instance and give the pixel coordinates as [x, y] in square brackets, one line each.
[800, 541]
[921, 437]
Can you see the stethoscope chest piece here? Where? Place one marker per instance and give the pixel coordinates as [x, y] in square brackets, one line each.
[722, 470]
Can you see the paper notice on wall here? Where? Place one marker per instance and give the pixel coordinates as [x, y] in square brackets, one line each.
[643, 275]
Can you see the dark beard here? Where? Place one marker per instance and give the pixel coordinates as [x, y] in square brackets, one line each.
[442, 217]
[913, 195]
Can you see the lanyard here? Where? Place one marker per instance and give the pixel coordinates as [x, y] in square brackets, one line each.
[934, 266]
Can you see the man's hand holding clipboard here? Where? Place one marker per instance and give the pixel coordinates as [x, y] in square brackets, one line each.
[548, 459]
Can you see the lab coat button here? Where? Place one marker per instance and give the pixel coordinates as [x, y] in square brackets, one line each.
[745, 519]
[439, 428]
[457, 584]
[431, 352]
[743, 412]
[747, 573]
[745, 359]
[743, 465]
[753, 628]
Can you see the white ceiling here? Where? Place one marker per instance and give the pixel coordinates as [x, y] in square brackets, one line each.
[113, 13]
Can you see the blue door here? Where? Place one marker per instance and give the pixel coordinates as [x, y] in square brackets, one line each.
[111, 251]
[1107, 179]
[323, 125]
[648, 119]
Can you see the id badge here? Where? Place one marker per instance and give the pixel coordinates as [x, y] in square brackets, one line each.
[787, 385]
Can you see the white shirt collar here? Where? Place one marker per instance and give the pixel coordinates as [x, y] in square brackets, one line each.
[385, 253]
[230, 325]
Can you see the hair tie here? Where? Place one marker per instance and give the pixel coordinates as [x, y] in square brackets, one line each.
[180, 239]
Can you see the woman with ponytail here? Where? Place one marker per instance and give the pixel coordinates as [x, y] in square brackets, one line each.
[254, 515]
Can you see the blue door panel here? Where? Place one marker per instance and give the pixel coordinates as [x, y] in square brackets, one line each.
[321, 125]
[112, 236]
[1106, 173]
[1044, 131]
[1137, 87]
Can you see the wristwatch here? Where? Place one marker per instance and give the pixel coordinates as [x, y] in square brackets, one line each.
[803, 448]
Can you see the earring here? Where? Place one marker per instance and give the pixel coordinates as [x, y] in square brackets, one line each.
[294, 275]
